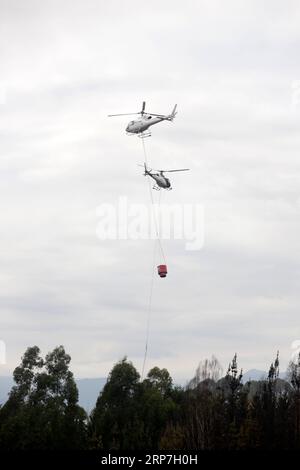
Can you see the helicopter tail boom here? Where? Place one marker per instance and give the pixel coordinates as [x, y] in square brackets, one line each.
[146, 170]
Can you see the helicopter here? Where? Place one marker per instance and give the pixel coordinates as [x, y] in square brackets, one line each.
[142, 124]
[159, 178]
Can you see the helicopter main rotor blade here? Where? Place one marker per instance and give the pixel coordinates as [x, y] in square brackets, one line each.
[158, 115]
[171, 171]
[123, 114]
[143, 107]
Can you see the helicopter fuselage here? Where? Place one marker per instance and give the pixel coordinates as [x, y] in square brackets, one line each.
[160, 180]
[142, 124]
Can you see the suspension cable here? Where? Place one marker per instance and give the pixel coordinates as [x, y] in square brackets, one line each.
[157, 243]
[157, 225]
[149, 308]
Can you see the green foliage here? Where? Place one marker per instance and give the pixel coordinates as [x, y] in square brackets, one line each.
[130, 414]
[42, 411]
[160, 380]
[114, 421]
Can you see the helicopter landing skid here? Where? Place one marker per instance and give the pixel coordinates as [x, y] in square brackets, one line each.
[157, 188]
[143, 135]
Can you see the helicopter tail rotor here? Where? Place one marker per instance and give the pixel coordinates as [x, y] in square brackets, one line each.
[146, 170]
[173, 113]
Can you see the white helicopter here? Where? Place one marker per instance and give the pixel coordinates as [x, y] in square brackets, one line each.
[159, 178]
[139, 126]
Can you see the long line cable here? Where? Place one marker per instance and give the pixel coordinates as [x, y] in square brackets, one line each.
[149, 309]
[157, 242]
[156, 222]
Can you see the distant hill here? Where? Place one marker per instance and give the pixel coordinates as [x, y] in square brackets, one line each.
[256, 374]
[88, 389]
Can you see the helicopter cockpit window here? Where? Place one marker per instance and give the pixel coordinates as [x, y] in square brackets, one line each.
[149, 117]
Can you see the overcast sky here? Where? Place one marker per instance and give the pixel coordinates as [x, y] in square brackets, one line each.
[233, 68]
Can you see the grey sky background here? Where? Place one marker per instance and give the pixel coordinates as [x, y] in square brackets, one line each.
[231, 67]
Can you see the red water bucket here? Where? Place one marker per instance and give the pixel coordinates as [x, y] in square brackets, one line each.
[162, 270]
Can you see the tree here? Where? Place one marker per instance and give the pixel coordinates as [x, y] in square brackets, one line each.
[294, 374]
[42, 410]
[129, 414]
[203, 407]
[235, 403]
[157, 406]
[273, 373]
[114, 422]
[207, 371]
[266, 407]
[294, 378]
[233, 378]
[160, 380]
